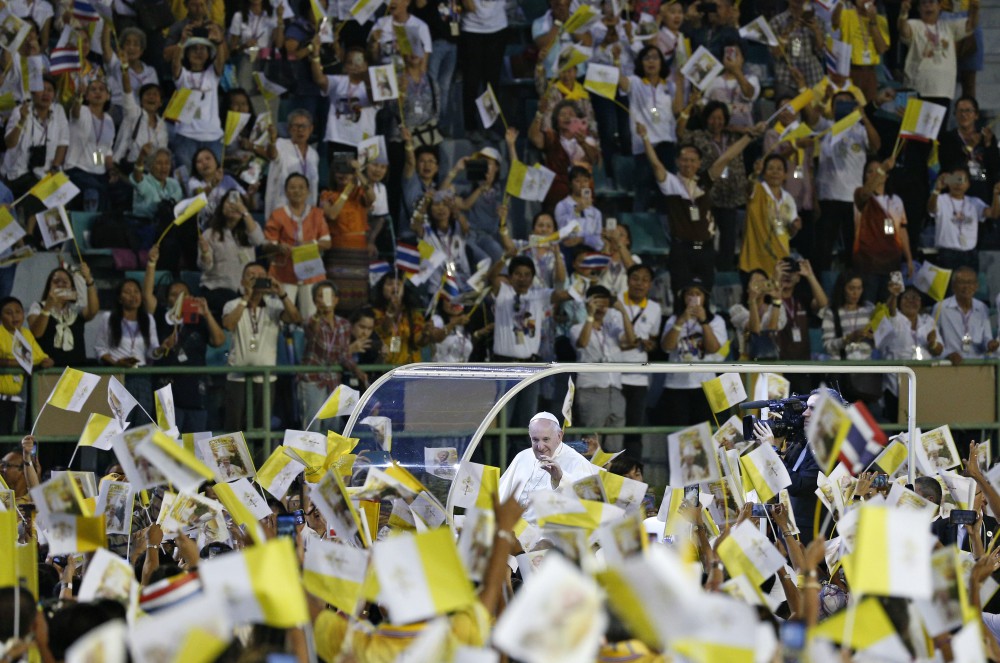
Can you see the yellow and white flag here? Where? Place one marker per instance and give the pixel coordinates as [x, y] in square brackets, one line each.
[362, 10]
[748, 552]
[529, 182]
[476, 485]
[841, 127]
[725, 391]
[261, 584]
[73, 389]
[307, 261]
[705, 642]
[800, 101]
[166, 417]
[278, 472]
[309, 447]
[268, 88]
[8, 548]
[74, 534]
[602, 80]
[891, 555]
[932, 280]
[235, 123]
[60, 494]
[872, 627]
[245, 505]
[183, 105]
[765, 472]
[623, 492]
[54, 190]
[179, 466]
[592, 514]
[340, 403]
[567, 406]
[572, 56]
[892, 458]
[10, 230]
[99, 431]
[759, 30]
[335, 572]
[188, 207]
[580, 19]
[922, 120]
[421, 576]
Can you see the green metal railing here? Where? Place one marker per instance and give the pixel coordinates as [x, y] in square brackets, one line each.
[267, 437]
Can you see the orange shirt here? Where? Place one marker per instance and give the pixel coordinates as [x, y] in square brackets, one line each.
[350, 229]
[282, 228]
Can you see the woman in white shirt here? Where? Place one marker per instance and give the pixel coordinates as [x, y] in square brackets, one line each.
[126, 337]
[255, 29]
[914, 336]
[198, 67]
[292, 155]
[654, 102]
[127, 64]
[91, 146]
[141, 126]
[36, 139]
[846, 332]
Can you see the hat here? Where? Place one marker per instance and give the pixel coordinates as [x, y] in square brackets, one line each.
[489, 153]
[547, 416]
[201, 41]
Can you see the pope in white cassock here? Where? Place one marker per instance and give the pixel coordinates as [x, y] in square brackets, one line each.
[547, 465]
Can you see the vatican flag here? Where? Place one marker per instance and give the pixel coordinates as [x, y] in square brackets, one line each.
[581, 18]
[705, 642]
[74, 534]
[932, 280]
[747, 552]
[892, 457]
[245, 505]
[476, 485]
[765, 472]
[724, 391]
[421, 576]
[180, 467]
[98, 432]
[8, 548]
[235, 122]
[872, 629]
[278, 472]
[891, 555]
[73, 389]
[335, 572]
[261, 584]
[340, 403]
[602, 80]
[922, 120]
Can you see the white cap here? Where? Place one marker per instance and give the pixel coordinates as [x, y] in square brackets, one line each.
[547, 416]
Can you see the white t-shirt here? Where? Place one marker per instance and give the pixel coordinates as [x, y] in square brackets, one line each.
[131, 343]
[206, 126]
[689, 350]
[729, 92]
[289, 161]
[344, 97]
[646, 318]
[52, 133]
[87, 136]
[957, 222]
[135, 131]
[259, 27]
[603, 346]
[456, 346]
[255, 339]
[490, 16]
[387, 37]
[842, 165]
[519, 320]
[643, 99]
[931, 64]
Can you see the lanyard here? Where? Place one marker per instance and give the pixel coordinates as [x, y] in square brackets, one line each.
[297, 220]
[97, 132]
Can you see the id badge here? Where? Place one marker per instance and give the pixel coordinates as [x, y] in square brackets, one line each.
[418, 108]
[98, 157]
[454, 28]
[797, 47]
[695, 213]
[395, 344]
[976, 171]
[889, 228]
[796, 335]
[519, 337]
[655, 114]
[966, 343]
[799, 173]
[181, 356]
[866, 57]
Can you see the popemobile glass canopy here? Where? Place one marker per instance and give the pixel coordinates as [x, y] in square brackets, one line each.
[437, 408]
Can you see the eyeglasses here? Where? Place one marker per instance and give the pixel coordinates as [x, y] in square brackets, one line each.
[4, 465]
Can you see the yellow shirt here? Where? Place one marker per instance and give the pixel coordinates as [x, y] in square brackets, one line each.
[216, 11]
[10, 385]
[854, 30]
[765, 241]
[383, 644]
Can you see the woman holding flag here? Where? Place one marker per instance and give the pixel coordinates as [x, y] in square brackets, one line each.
[224, 249]
[90, 156]
[197, 70]
[293, 225]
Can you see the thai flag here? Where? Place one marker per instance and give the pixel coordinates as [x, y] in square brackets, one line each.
[864, 441]
[830, 59]
[84, 11]
[596, 261]
[407, 258]
[64, 60]
[450, 289]
[377, 270]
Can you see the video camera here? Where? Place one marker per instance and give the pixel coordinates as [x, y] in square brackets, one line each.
[791, 425]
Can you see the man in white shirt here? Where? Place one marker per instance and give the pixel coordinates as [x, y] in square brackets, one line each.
[547, 465]
[646, 316]
[254, 320]
[964, 321]
[957, 218]
[599, 339]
